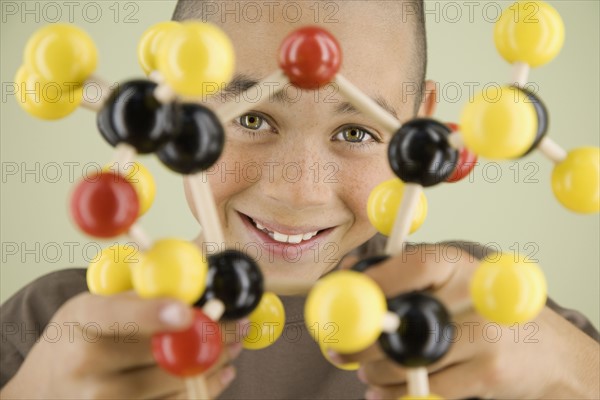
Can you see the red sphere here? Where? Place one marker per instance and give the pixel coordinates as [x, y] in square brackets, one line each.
[466, 160]
[189, 352]
[104, 205]
[310, 57]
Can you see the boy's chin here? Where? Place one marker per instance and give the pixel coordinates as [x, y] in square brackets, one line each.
[301, 271]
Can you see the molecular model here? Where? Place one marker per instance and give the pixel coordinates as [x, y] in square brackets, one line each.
[162, 115]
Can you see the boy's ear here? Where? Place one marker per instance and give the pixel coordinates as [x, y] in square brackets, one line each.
[429, 101]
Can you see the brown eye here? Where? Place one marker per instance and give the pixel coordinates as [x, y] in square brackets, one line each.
[354, 135]
[251, 121]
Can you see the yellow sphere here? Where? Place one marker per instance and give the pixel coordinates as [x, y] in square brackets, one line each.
[576, 180]
[195, 58]
[529, 31]
[507, 288]
[110, 273]
[352, 366]
[45, 100]
[142, 181]
[171, 268]
[150, 42]
[61, 53]
[266, 323]
[384, 202]
[344, 311]
[499, 124]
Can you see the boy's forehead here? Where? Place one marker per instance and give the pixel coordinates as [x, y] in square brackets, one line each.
[378, 47]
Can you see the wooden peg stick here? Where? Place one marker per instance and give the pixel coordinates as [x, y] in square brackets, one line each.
[366, 104]
[266, 88]
[204, 204]
[410, 200]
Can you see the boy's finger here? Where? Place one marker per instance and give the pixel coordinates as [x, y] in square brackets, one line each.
[229, 353]
[234, 331]
[411, 271]
[142, 383]
[372, 353]
[460, 381]
[382, 373]
[219, 380]
[132, 354]
[110, 355]
[115, 314]
[387, 372]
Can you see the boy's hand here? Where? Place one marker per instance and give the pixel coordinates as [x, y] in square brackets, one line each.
[547, 358]
[108, 353]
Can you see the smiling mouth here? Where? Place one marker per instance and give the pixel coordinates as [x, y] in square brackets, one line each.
[298, 236]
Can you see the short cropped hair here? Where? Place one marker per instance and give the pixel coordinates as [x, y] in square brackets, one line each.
[192, 9]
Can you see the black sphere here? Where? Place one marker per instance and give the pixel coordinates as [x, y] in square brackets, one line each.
[198, 143]
[235, 279]
[542, 119]
[132, 115]
[367, 263]
[420, 153]
[425, 331]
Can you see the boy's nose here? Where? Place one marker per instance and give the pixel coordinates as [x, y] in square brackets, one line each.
[300, 182]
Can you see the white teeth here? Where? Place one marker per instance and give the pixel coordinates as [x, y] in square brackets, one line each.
[280, 237]
[295, 238]
[308, 235]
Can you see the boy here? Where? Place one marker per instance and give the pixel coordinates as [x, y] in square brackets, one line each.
[306, 132]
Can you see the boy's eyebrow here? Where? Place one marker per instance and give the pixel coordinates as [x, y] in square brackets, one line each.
[346, 107]
[243, 82]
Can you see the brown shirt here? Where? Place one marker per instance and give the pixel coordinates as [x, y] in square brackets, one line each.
[291, 368]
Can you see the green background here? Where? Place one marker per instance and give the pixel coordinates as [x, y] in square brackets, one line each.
[509, 205]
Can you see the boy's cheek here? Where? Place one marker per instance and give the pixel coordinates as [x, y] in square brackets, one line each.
[353, 191]
[236, 170]
[355, 185]
[225, 181]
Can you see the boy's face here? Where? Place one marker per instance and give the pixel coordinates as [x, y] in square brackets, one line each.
[308, 164]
